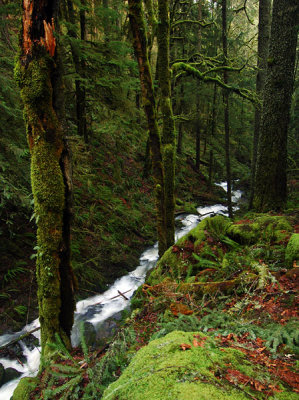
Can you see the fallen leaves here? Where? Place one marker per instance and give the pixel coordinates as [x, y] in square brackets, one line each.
[185, 346]
[178, 308]
[198, 341]
[238, 378]
[256, 352]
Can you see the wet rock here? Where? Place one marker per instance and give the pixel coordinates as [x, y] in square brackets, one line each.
[12, 352]
[10, 374]
[106, 329]
[15, 350]
[31, 342]
[1, 374]
[89, 333]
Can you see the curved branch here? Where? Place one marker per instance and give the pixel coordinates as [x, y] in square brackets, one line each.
[191, 21]
[242, 92]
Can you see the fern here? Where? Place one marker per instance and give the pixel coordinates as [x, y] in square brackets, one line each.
[185, 323]
[115, 358]
[264, 275]
[284, 334]
[12, 273]
[83, 342]
[222, 323]
[203, 262]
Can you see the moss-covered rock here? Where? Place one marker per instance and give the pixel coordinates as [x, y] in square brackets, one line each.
[292, 250]
[25, 387]
[265, 227]
[185, 366]
[172, 264]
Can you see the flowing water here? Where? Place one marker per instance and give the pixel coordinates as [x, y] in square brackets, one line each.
[99, 308]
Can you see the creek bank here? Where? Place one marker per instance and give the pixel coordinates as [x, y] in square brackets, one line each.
[95, 311]
[228, 284]
[254, 322]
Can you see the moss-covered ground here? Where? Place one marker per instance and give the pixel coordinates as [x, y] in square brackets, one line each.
[216, 319]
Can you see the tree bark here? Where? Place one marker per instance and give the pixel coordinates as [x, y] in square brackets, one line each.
[197, 156]
[270, 190]
[168, 131]
[51, 185]
[226, 110]
[262, 54]
[138, 29]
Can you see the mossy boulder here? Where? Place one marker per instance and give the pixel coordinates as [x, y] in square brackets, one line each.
[25, 387]
[292, 250]
[265, 227]
[186, 366]
[172, 264]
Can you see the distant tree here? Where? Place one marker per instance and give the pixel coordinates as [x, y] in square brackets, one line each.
[162, 151]
[226, 110]
[262, 55]
[38, 78]
[79, 64]
[168, 130]
[270, 190]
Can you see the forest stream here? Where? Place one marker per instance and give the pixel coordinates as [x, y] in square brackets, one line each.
[97, 309]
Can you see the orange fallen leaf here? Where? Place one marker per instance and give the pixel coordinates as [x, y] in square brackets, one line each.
[177, 308]
[200, 343]
[185, 346]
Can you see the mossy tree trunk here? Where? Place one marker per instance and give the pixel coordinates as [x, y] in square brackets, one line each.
[262, 54]
[138, 29]
[168, 132]
[270, 190]
[50, 170]
[226, 110]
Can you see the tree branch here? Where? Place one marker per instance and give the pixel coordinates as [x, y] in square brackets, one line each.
[245, 93]
[191, 21]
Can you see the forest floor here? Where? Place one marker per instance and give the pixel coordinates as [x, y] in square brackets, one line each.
[217, 317]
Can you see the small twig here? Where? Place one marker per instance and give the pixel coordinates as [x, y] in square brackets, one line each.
[121, 294]
[20, 362]
[114, 297]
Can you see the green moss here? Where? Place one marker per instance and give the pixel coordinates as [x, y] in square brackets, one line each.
[162, 370]
[169, 264]
[45, 138]
[292, 250]
[266, 227]
[25, 387]
[217, 226]
[242, 233]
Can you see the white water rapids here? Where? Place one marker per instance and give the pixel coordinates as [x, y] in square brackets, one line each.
[99, 308]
